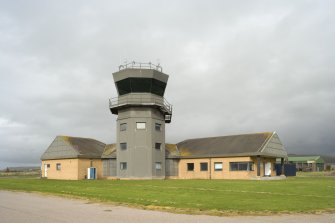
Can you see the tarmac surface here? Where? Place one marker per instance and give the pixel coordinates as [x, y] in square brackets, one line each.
[30, 207]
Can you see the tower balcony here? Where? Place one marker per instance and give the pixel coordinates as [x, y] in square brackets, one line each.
[141, 100]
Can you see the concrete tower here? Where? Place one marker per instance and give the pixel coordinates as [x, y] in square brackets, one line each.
[142, 113]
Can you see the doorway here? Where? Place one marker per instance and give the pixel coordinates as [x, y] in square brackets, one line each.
[267, 169]
[46, 167]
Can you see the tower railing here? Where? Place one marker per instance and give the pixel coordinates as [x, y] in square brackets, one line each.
[142, 100]
[139, 65]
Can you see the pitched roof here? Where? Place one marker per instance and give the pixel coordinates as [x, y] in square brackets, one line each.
[64, 147]
[171, 150]
[109, 151]
[266, 144]
[316, 159]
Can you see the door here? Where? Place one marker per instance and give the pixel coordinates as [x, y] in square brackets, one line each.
[46, 170]
[267, 169]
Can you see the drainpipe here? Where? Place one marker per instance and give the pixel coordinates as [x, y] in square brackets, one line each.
[210, 168]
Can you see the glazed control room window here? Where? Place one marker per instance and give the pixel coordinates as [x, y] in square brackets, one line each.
[218, 166]
[58, 166]
[123, 166]
[158, 127]
[123, 146]
[190, 166]
[140, 125]
[203, 166]
[123, 126]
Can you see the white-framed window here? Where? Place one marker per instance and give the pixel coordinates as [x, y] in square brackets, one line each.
[158, 127]
[158, 145]
[140, 125]
[58, 166]
[123, 146]
[218, 166]
[123, 126]
[158, 165]
[123, 165]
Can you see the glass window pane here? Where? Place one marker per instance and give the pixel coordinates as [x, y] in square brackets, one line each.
[140, 125]
[158, 127]
[233, 166]
[123, 165]
[158, 145]
[140, 84]
[203, 166]
[158, 166]
[243, 166]
[123, 86]
[190, 166]
[123, 126]
[251, 166]
[217, 166]
[123, 146]
[158, 87]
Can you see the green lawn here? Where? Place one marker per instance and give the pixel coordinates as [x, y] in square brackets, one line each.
[217, 197]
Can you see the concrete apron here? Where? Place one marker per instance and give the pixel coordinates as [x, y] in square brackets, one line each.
[281, 177]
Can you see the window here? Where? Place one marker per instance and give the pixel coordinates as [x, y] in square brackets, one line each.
[123, 165]
[190, 166]
[158, 127]
[123, 146]
[158, 165]
[218, 166]
[123, 126]
[140, 84]
[140, 125]
[158, 145]
[48, 165]
[58, 166]
[203, 166]
[241, 166]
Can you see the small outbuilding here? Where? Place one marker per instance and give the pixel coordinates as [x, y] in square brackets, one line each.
[307, 163]
[69, 158]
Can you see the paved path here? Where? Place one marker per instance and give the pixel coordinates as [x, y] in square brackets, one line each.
[28, 207]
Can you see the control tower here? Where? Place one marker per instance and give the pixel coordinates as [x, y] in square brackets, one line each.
[142, 113]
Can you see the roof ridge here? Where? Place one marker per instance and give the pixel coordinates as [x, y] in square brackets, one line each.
[257, 133]
[77, 137]
[266, 142]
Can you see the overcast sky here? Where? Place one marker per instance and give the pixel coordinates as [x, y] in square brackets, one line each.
[235, 67]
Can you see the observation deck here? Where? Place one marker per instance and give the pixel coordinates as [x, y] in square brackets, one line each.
[141, 100]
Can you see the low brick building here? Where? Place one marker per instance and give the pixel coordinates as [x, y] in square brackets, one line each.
[69, 158]
[248, 156]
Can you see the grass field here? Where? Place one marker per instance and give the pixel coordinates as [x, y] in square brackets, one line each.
[217, 197]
